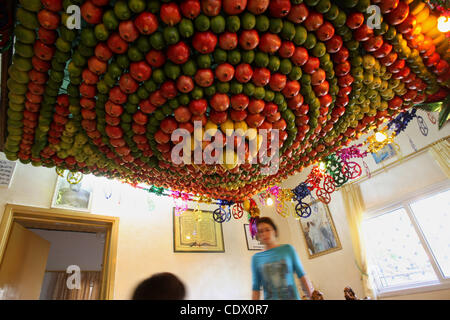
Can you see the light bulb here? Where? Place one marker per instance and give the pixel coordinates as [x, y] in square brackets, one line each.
[269, 201]
[380, 137]
[443, 24]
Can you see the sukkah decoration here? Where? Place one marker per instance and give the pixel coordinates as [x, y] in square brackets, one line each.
[400, 123]
[302, 209]
[180, 202]
[253, 215]
[60, 172]
[335, 168]
[238, 211]
[72, 177]
[351, 169]
[106, 98]
[223, 212]
[315, 178]
[431, 117]
[285, 202]
[374, 145]
[423, 127]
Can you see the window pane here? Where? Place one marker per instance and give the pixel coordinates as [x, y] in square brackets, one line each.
[396, 256]
[433, 216]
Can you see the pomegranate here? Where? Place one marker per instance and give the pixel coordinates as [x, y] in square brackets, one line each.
[178, 53]
[234, 7]
[190, 8]
[170, 13]
[257, 6]
[249, 39]
[279, 8]
[146, 23]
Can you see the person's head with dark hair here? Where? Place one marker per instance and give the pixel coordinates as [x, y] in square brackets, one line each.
[161, 286]
[267, 231]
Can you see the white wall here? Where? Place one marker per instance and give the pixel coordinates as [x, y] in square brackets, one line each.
[73, 248]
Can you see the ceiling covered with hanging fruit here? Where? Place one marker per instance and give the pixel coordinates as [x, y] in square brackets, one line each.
[103, 87]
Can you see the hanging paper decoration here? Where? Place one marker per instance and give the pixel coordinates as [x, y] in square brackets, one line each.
[220, 215]
[422, 126]
[431, 117]
[238, 211]
[285, 200]
[375, 144]
[180, 202]
[254, 210]
[252, 226]
[335, 168]
[351, 152]
[302, 209]
[400, 122]
[74, 177]
[351, 169]
[60, 172]
[315, 177]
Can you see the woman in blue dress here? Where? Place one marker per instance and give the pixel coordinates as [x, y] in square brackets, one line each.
[274, 268]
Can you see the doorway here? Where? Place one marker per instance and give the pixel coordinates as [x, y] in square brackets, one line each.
[23, 253]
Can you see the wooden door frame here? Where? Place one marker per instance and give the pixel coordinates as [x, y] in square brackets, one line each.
[61, 219]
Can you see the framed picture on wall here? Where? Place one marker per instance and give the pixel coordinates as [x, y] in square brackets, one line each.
[73, 196]
[319, 231]
[386, 153]
[252, 243]
[196, 231]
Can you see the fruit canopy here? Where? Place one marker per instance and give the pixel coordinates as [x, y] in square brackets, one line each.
[106, 98]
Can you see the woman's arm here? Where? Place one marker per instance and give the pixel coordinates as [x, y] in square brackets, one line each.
[306, 286]
[255, 295]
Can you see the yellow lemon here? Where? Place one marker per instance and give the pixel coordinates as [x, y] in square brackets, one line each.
[240, 127]
[227, 127]
[210, 128]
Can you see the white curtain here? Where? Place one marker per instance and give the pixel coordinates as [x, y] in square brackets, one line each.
[441, 153]
[354, 207]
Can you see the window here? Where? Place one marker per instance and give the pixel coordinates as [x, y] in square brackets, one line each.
[408, 245]
[433, 216]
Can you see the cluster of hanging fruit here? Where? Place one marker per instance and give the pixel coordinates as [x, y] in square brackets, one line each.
[106, 98]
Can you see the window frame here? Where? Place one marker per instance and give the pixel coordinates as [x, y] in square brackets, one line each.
[405, 202]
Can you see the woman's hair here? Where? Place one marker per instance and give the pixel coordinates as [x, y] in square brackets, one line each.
[268, 221]
[161, 286]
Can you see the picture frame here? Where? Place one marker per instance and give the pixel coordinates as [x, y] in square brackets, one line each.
[252, 243]
[7, 169]
[196, 231]
[385, 153]
[76, 197]
[319, 231]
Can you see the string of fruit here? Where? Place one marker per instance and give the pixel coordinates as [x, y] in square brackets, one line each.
[138, 70]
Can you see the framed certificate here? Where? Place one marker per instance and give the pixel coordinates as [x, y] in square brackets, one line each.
[196, 231]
